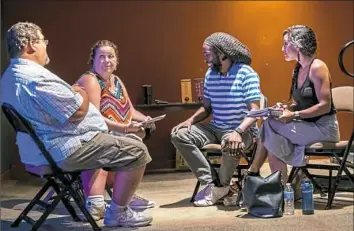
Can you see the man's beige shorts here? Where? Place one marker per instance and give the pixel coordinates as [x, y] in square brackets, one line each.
[110, 152]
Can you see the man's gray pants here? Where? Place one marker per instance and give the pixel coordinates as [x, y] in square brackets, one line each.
[189, 144]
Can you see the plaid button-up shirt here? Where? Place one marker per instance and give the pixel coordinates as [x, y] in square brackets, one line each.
[47, 102]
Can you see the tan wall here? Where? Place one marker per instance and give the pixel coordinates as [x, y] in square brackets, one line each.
[160, 43]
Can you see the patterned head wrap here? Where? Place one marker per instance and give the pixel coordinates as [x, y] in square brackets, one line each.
[303, 38]
[230, 46]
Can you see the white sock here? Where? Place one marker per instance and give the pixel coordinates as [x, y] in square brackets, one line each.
[115, 207]
[96, 200]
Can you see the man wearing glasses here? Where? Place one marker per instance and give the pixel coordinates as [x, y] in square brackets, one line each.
[72, 129]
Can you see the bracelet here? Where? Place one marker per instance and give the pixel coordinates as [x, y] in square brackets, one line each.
[125, 129]
[297, 115]
[239, 131]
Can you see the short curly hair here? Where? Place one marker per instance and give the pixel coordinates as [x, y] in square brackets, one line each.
[19, 35]
[102, 43]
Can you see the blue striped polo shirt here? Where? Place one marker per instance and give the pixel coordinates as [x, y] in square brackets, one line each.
[230, 94]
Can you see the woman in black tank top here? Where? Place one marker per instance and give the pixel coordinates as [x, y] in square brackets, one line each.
[305, 96]
[310, 118]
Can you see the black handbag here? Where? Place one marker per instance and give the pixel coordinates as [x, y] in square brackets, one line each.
[263, 197]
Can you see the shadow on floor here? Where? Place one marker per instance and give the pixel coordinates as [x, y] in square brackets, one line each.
[222, 207]
[249, 216]
[14, 203]
[58, 224]
[320, 203]
[179, 204]
[20, 204]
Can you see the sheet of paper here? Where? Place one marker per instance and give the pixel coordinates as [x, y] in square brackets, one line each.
[266, 112]
[158, 118]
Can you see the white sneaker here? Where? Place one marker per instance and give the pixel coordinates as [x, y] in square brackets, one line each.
[97, 212]
[126, 217]
[212, 195]
[201, 194]
[139, 203]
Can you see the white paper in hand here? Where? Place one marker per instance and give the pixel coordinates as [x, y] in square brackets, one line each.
[153, 120]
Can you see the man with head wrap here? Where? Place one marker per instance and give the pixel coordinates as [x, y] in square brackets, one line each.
[231, 89]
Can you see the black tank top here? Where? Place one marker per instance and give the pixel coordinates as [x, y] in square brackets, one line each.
[305, 97]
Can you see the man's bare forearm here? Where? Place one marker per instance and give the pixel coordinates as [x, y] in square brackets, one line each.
[201, 114]
[83, 109]
[247, 123]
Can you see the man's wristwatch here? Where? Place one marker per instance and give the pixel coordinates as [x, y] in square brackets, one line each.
[297, 115]
[239, 131]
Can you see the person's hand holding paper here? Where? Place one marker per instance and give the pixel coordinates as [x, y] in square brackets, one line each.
[150, 122]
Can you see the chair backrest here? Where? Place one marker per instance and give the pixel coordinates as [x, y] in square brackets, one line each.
[20, 124]
[343, 98]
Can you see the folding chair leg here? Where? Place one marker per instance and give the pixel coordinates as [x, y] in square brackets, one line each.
[294, 171]
[31, 205]
[239, 185]
[70, 208]
[349, 175]
[336, 183]
[315, 184]
[82, 196]
[239, 178]
[66, 200]
[81, 204]
[46, 213]
[330, 183]
[343, 161]
[80, 188]
[109, 191]
[46, 199]
[196, 189]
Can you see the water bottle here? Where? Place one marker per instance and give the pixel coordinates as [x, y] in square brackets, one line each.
[288, 200]
[307, 198]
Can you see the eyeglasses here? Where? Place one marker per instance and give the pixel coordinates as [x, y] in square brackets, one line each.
[46, 41]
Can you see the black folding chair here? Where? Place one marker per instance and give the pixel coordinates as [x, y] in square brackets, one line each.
[213, 153]
[343, 101]
[108, 188]
[66, 184]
